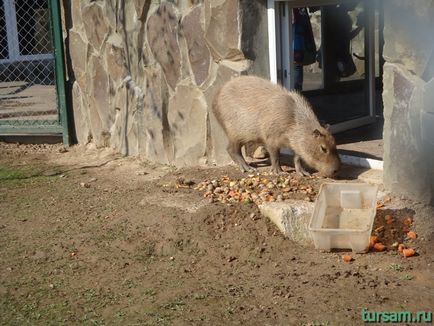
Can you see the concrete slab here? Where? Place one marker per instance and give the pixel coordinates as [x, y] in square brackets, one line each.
[372, 177]
[291, 217]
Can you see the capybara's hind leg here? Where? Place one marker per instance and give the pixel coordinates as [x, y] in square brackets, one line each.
[298, 167]
[275, 160]
[234, 150]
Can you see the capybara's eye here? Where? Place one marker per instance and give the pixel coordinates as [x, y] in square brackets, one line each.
[324, 149]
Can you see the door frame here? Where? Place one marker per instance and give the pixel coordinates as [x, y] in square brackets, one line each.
[287, 73]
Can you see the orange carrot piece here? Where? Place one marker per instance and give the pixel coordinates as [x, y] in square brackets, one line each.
[408, 252]
[411, 235]
[379, 246]
[372, 241]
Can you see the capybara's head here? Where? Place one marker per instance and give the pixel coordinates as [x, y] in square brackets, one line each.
[322, 152]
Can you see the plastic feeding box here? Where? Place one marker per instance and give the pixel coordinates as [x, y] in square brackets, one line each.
[343, 216]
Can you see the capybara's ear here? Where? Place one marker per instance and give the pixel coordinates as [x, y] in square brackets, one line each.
[317, 133]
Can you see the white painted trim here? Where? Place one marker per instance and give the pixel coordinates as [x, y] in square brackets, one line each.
[350, 160]
[363, 162]
[271, 14]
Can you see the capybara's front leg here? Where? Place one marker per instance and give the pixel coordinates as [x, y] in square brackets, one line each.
[299, 167]
[275, 160]
[234, 150]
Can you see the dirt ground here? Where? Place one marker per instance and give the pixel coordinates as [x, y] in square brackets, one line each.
[88, 237]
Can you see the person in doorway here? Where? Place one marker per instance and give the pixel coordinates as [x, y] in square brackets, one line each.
[340, 33]
[303, 44]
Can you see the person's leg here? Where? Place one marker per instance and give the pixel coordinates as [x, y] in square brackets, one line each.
[298, 76]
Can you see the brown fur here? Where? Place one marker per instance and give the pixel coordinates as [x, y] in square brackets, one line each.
[252, 109]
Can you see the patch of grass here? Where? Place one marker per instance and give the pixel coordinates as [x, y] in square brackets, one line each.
[31, 312]
[7, 173]
[146, 251]
[120, 314]
[157, 318]
[174, 305]
[118, 231]
[396, 267]
[407, 277]
[11, 173]
[150, 292]
[198, 296]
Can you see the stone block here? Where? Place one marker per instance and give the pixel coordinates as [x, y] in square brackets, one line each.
[222, 29]
[187, 118]
[198, 52]
[81, 115]
[115, 58]
[291, 217]
[404, 165]
[162, 35]
[254, 35]
[118, 135]
[78, 53]
[156, 140]
[100, 115]
[407, 33]
[75, 11]
[95, 23]
[217, 140]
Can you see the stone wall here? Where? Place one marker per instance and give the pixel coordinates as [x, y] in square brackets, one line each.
[142, 76]
[409, 98]
[142, 73]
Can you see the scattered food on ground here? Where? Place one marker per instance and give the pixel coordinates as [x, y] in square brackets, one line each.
[259, 187]
[131, 250]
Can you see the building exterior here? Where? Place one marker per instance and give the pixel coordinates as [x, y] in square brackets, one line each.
[142, 74]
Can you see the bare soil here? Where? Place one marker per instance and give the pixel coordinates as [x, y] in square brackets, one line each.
[89, 237]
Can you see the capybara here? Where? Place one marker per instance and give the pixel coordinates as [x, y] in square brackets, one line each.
[254, 110]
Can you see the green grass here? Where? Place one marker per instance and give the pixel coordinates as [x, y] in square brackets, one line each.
[407, 277]
[396, 267]
[7, 173]
[11, 173]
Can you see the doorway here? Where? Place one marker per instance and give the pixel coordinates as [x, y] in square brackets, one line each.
[340, 72]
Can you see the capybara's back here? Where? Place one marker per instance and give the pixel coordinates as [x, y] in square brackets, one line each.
[247, 106]
[252, 109]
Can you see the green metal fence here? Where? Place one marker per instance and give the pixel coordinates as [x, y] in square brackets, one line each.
[32, 79]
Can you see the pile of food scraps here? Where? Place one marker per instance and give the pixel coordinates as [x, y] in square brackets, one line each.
[395, 230]
[392, 231]
[258, 188]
